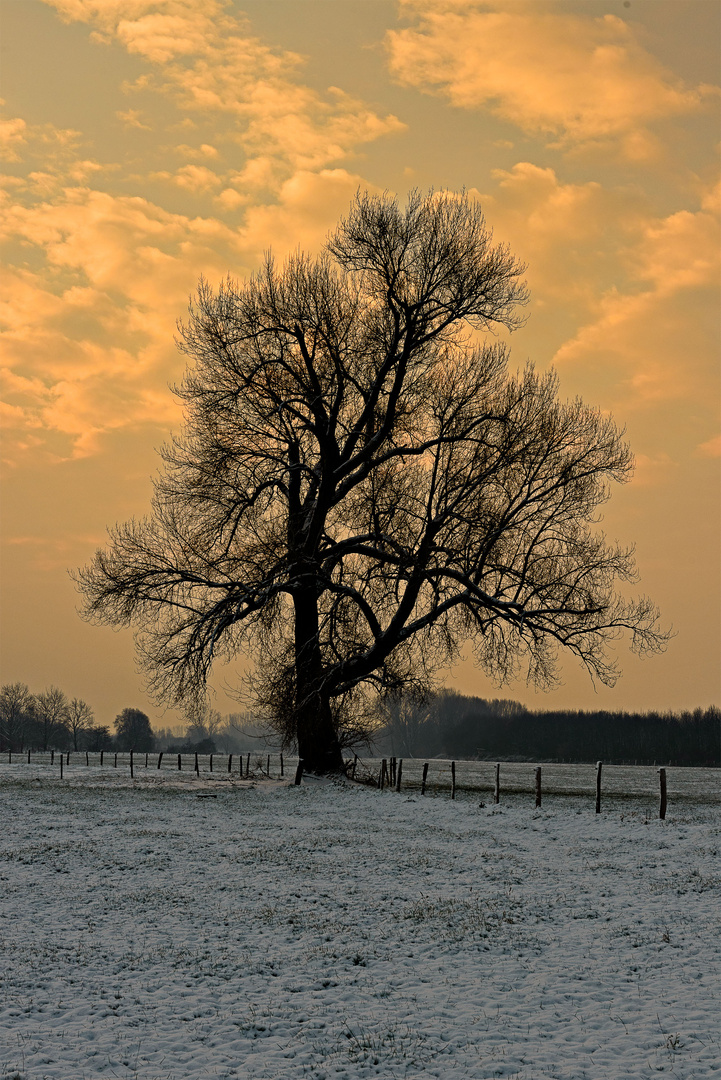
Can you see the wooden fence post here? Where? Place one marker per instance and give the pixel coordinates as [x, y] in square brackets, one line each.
[662, 808]
[599, 766]
[267, 768]
[197, 766]
[298, 771]
[102, 753]
[146, 759]
[497, 788]
[423, 781]
[211, 762]
[131, 764]
[384, 771]
[52, 757]
[453, 779]
[68, 761]
[538, 786]
[355, 762]
[87, 758]
[28, 755]
[400, 774]
[115, 763]
[247, 768]
[179, 764]
[160, 758]
[61, 766]
[281, 765]
[230, 762]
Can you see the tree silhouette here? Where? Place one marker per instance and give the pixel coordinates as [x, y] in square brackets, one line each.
[133, 731]
[53, 713]
[361, 486]
[80, 717]
[17, 715]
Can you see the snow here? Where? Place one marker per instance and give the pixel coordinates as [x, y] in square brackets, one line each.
[150, 930]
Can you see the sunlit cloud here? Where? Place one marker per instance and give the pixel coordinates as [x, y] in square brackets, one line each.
[12, 138]
[711, 448]
[661, 340]
[132, 118]
[95, 324]
[308, 207]
[204, 58]
[623, 302]
[569, 77]
[96, 279]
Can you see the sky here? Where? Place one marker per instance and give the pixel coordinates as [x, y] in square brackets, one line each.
[147, 142]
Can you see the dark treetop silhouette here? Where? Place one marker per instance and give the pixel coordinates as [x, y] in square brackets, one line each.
[361, 487]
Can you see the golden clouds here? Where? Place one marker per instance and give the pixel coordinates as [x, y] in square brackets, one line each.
[624, 302]
[203, 58]
[97, 276]
[94, 325]
[12, 138]
[575, 78]
[661, 337]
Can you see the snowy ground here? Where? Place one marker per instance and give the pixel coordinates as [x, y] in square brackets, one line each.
[150, 930]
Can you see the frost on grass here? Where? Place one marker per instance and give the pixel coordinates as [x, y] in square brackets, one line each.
[277, 932]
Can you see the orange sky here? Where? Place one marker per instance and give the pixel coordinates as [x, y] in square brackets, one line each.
[148, 141]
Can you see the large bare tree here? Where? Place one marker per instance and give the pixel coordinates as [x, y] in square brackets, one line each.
[361, 486]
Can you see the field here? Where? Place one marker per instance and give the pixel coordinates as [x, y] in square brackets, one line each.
[174, 927]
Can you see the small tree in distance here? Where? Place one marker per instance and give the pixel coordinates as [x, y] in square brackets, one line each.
[361, 486]
[53, 714]
[17, 715]
[133, 731]
[79, 718]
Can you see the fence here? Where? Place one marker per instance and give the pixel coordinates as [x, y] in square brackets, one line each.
[498, 782]
[242, 766]
[599, 786]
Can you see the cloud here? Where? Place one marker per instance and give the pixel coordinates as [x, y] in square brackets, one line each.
[196, 153]
[131, 118]
[95, 279]
[197, 178]
[88, 336]
[88, 341]
[569, 77]
[661, 338]
[711, 448]
[308, 207]
[204, 58]
[12, 138]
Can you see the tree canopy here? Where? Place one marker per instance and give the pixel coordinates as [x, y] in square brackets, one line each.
[133, 731]
[361, 486]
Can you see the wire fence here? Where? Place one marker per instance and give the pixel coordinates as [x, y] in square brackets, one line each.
[490, 782]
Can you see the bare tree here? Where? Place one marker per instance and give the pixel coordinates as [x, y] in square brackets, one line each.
[204, 723]
[17, 713]
[361, 486]
[80, 717]
[51, 709]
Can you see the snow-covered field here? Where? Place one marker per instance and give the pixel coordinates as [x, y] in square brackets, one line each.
[151, 930]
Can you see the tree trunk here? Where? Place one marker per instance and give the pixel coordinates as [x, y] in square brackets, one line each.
[318, 745]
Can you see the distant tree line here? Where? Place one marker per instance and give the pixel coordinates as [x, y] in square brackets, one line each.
[51, 721]
[446, 724]
[454, 726]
